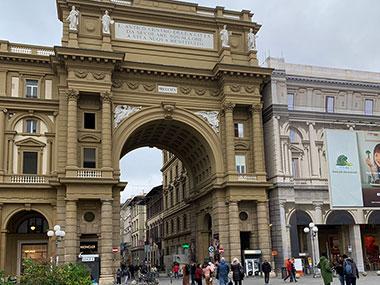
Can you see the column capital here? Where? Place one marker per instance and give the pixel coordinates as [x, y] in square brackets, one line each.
[106, 97]
[256, 108]
[318, 204]
[228, 107]
[106, 200]
[310, 124]
[72, 94]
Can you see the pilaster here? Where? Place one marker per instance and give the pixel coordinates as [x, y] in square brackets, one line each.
[356, 243]
[106, 98]
[313, 150]
[70, 239]
[318, 212]
[263, 230]
[72, 138]
[106, 274]
[258, 140]
[3, 248]
[229, 126]
[234, 230]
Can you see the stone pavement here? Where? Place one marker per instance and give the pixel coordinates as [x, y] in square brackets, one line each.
[370, 279]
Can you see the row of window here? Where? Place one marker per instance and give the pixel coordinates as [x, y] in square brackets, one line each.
[178, 224]
[177, 195]
[330, 104]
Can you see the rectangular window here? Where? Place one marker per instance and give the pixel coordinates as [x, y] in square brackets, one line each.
[295, 168]
[176, 170]
[171, 199]
[89, 157]
[31, 126]
[176, 195]
[167, 201]
[290, 101]
[368, 107]
[330, 104]
[239, 130]
[240, 163]
[184, 222]
[29, 162]
[183, 190]
[31, 89]
[89, 121]
[292, 136]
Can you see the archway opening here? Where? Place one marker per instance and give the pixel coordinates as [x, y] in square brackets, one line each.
[371, 236]
[299, 241]
[188, 166]
[26, 238]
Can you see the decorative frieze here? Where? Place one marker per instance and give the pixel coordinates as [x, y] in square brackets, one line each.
[81, 74]
[98, 75]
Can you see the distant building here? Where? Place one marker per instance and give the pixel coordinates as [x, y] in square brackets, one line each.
[126, 231]
[300, 104]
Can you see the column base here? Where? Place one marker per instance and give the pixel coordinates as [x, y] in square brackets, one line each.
[106, 280]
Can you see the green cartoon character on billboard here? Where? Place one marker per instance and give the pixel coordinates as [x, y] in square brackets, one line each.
[343, 161]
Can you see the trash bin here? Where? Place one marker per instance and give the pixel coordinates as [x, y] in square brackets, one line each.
[283, 272]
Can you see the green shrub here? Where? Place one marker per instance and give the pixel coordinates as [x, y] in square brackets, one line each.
[48, 274]
[5, 280]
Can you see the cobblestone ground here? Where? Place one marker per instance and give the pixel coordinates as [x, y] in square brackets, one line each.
[370, 279]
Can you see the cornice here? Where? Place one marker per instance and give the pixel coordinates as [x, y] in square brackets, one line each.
[13, 57]
[89, 55]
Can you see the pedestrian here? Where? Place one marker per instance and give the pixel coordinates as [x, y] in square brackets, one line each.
[186, 274]
[198, 274]
[290, 271]
[266, 269]
[223, 270]
[339, 269]
[118, 276]
[351, 271]
[175, 270]
[193, 268]
[237, 271]
[125, 275]
[326, 270]
[207, 273]
[132, 271]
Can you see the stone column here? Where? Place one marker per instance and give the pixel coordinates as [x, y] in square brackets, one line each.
[1, 237]
[106, 98]
[3, 248]
[234, 230]
[230, 137]
[11, 142]
[71, 250]
[313, 150]
[356, 243]
[106, 274]
[2, 138]
[277, 145]
[318, 213]
[263, 230]
[220, 220]
[284, 234]
[72, 98]
[61, 219]
[258, 139]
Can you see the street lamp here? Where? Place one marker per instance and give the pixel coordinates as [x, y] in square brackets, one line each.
[313, 230]
[58, 238]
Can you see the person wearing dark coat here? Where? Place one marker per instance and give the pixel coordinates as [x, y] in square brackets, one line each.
[354, 274]
[223, 270]
[266, 269]
[193, 268]
[236, 269]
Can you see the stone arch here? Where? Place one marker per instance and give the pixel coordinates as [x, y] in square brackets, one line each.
[134, 131]
[293, 211]
[296, 219]
[44, 118]
[18, 210]
[339, 217]
[374, 218]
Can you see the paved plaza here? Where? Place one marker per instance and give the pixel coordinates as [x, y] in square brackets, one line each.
[371, 278]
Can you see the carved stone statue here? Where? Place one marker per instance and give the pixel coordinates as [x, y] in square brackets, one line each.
[224, 36]
[123, 111]
[251, 40]
[106, 22]
[73, 18]
[211, 117]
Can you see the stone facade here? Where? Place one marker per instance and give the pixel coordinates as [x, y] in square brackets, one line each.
[159, 78]
[296, 115]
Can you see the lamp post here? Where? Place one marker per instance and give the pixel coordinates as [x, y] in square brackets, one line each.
[59, 235]
[313, 230]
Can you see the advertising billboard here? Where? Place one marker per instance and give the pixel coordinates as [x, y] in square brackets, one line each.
[354, 168]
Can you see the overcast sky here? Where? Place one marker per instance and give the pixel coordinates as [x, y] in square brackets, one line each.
[332, 33]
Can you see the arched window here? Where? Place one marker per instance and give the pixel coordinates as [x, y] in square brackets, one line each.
[34, 225]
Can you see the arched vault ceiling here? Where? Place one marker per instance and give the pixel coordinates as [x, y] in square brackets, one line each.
[178, 138]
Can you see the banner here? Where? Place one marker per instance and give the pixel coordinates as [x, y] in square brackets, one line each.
[354, 167]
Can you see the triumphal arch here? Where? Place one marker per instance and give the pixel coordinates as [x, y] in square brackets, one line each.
[131, 74]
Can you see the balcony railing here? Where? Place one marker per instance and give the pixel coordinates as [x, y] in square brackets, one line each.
[89, 173]
[28, 179]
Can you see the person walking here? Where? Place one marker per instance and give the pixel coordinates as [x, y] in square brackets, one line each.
[290, 271]
[193, 268]
[339, 269]
[198, 274]
[266, 269]
[351, 271]
[186, 274]
[175, 270]
[326, 270]
[207, 273]
[223, 270]
[125, 275]
[118, 276]
[237, 271]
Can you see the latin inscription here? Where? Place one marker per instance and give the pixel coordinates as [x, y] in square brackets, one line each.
[163, 36]
[167, 89]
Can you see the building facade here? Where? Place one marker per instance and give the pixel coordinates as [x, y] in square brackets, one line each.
[168, 74]
[126, 232]
[300, 104]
